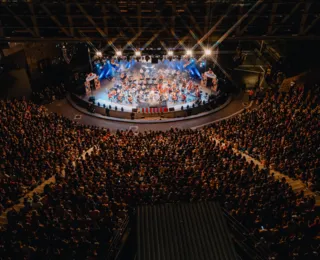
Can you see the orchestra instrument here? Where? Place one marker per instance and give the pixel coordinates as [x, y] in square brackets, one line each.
[150, 87]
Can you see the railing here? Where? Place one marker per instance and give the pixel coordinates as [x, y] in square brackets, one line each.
[114, 249]
[249, 243]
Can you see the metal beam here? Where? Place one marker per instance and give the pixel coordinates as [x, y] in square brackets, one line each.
[20, 21]
[304, 17]
[180, 41]
[173, 17]
[168, 2]
[193, 19]
[53, 18]
[272, 17]
[123, 17]
[33, 18]
[288, 16]
[213, 28]
[139, 14]
[253, 18]
[241, 12]
[167, 38]
[144, 29]
[112, 15]
[91, 20]
[206, 17]
[105, 20]
[311, 25]
[70, 21]
[155, 36]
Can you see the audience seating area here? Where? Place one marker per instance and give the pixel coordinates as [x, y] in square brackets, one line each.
[77, 216]
[283, 132]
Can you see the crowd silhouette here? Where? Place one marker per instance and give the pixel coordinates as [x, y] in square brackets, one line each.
[76, 217]
[283, 132]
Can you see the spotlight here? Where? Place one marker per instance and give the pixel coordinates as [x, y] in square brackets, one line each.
[189, 52]
[118, 53]
[170, 53]
[207, 52]
[99, 53]
[138, 53]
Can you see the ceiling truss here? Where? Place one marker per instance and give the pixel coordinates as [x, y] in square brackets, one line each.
[173, 22]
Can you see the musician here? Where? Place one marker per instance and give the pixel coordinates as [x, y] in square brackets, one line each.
[210, 71]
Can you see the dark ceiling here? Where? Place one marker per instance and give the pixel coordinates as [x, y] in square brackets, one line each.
[167, 21]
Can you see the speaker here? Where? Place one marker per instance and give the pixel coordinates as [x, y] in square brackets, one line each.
[171, 109]
[134, 110]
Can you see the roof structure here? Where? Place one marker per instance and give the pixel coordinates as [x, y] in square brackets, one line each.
[169, 22]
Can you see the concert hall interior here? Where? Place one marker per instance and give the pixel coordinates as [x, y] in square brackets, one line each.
[159, 130]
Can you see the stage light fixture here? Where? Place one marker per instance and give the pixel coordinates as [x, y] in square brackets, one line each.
[170, 53]
[99, 54]
[138, 53]
[189, 52]
[118, 53]
[207, 52]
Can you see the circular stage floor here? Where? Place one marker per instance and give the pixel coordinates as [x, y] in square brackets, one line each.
[148, 85]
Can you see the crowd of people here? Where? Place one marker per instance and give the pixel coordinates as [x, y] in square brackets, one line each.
[35, 145]
[283, 132]
[76, 217]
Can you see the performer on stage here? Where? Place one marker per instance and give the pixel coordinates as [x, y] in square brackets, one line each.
[156, 86]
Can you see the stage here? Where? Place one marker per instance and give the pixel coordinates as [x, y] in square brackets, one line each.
[143, 86]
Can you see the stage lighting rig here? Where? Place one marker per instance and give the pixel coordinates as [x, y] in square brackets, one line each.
[99, 54]
[170, 53]
[207, 52]
[118, 53]
[138, 53]
[189, 52]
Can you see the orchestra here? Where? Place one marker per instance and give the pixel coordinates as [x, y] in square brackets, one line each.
[154, 86]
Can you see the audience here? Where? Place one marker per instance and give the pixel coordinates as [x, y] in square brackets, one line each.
[35, 145]
[283, 132]
[77, 216]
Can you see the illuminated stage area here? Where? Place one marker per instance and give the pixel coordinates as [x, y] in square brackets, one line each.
[141, 86]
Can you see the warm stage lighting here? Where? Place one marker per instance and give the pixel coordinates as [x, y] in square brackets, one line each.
[118, 53]
[138, 53]
[170, 53]
[207, 52]
[189, 52]
[99, 54]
